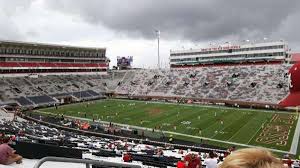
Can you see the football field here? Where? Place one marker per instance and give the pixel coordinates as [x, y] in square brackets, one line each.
[244, 126]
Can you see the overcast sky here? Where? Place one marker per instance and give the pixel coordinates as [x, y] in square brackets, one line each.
[126, 27]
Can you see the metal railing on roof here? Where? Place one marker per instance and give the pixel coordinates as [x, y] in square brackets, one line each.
[88, 163]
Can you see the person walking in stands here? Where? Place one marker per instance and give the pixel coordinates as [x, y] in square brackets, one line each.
[211, 161]
[7, 154]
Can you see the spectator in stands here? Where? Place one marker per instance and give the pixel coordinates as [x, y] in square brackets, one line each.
[251, 158]
[211, 161]
[289, 162]
[127, 157]
[220, 161]
[171, 139]
[7, 154]
[159, 152]
[192, 161]
[180, 151]
[296, 164]
[180, 163]
[231, 149]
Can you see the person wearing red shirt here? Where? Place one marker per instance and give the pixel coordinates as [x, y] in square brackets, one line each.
[192, 161]
[289, 162]
[127, 157]
[181, 164]
[7, 154]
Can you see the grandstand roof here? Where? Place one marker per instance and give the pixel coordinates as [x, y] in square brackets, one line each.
[49, 45]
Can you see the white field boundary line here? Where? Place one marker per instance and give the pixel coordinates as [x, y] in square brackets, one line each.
[296, 137]
[169, 132]
[208, 106]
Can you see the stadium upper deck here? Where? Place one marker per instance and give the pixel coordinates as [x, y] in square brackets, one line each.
[27, 58]
[241, 53]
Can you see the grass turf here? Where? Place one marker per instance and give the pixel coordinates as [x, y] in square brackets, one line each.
[239, 125]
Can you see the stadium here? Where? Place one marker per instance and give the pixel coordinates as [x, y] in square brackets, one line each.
[64, 101]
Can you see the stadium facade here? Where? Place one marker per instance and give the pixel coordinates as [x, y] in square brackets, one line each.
[38, 58]
[228, 53]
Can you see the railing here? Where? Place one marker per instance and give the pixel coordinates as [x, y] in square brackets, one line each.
[85, 161]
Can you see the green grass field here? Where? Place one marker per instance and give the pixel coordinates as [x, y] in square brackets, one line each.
[243, 126]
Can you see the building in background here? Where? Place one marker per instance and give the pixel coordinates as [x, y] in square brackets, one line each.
[244, 53]
[37, 58]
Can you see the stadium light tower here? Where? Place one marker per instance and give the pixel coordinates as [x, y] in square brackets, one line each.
[158, 58]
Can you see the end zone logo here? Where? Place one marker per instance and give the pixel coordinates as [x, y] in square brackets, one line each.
[290, 80]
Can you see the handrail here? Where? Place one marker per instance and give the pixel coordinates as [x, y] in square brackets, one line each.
[85, 161]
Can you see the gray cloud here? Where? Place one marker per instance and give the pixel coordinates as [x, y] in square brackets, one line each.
[8, 26]
[189, 19]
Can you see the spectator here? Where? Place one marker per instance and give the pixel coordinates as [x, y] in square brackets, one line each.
[211, 161]
[220, 160]
[171, 139]
[231, 149]
[160, 152]
[127, 157]
[296, 164]
[7, 154]
[251, 158]
[289, 162]
[181, 164]
[192, 161]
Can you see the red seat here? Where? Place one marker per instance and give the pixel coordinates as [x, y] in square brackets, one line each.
[77, 65]
[28, 64]
[9, 64]
[91, 65]
[47, 64]
[102, 65]
[63, 64]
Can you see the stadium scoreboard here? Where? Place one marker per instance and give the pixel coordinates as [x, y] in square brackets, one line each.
[124, 62]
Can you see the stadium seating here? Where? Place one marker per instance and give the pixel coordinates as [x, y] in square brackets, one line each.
[256, 83]
[47, 64]
[24, 101]
[42, 100]
[9, 64]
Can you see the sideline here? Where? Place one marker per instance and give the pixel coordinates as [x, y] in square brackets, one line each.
[296, 137]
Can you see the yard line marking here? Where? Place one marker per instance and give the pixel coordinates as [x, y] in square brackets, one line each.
[256, 132]
[239, 130]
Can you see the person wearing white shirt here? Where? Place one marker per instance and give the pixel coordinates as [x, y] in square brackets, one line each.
[296, 164]
[211, 161]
